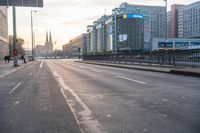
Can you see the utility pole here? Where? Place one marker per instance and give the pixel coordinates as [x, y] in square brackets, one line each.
[15, 51]
[32, 34]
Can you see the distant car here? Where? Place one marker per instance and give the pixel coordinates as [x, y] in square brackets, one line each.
[195, 56]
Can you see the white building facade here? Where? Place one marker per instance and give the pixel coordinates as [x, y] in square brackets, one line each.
[4, 48]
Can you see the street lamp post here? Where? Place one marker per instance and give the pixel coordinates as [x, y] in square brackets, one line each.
[32, 34]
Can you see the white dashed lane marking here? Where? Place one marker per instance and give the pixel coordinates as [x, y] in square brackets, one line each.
[133, 80]
[15, 88]
[41, 64]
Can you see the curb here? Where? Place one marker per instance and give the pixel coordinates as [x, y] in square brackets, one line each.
[12, 71]
[185, 73]
[170, 71]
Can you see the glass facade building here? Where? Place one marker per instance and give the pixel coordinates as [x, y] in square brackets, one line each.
[155, 25]
[130, 33]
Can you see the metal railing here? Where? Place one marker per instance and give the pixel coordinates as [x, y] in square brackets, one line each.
[165, 57]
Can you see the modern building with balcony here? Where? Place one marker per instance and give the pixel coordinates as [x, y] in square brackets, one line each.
[172, 21]
[189, 21]
[4, 48]
[107, 33]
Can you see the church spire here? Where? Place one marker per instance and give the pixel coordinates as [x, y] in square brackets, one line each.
[47, 40]
[50, 38]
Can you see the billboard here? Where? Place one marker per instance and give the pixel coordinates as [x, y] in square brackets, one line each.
[165, 45]
[123, 37]
[129, 16]
[26, 3]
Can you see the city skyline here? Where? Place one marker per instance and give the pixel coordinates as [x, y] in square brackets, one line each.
[68, 19]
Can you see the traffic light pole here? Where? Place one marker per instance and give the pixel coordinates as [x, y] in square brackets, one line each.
[15, 51]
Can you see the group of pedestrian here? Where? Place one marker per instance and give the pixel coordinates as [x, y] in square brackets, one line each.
[7, 58]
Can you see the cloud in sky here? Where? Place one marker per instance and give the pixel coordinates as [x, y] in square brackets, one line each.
[69, 18]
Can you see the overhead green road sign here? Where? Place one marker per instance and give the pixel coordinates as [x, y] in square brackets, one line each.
[26, 3]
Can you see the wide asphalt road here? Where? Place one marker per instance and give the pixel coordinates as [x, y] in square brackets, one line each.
[58, 96]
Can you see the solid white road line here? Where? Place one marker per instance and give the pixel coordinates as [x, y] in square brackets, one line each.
[84, 117]
[15, 88]
[131, 80]
[41, 64]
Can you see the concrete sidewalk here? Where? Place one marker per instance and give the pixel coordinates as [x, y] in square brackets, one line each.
[188, 71]
[7, 68]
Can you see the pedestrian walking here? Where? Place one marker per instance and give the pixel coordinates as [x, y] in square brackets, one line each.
[23, 59]
[8, 58]
[5, 58]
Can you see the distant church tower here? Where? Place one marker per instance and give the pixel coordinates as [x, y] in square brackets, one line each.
[49, 43]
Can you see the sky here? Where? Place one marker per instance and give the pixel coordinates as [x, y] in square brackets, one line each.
[68, 18]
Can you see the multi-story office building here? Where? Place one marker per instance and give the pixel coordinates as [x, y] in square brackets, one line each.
[103, 35]
[172, 20]
[129, 35]
[154, 21]
[189, 21]
[76, 46]
[3, 32]
[97, 36]
[117, 33]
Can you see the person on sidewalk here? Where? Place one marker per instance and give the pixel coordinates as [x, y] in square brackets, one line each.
[8, 58]
[23, 59]
[5, 58]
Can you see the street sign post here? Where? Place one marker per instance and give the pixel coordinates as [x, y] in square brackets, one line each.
[25, 3]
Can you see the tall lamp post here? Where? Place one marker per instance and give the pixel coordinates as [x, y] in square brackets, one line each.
[32, 34]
